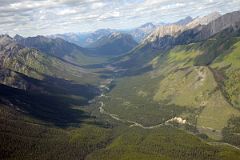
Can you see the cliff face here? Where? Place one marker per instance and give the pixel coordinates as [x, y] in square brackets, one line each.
[170, 30]
[203, 32]
[223, 22]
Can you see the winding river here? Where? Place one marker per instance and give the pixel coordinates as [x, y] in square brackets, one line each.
[116, 117]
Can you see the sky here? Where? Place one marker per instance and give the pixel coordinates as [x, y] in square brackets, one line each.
[44, 17]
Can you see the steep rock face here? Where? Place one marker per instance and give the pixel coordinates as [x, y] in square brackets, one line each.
[203, 20]
[223, 22]
[163, 36]
[203, 32]
[114, 44]
[170, 30]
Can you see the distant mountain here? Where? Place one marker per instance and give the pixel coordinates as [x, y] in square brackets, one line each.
[75, 38]
[142, 32]
[113, 44]
[147, 26]
[84, 39]
[205, 27]
[175, 29]
[98, 34]
[56, 47]
[138, 33]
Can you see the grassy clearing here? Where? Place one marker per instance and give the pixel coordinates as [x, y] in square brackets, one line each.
[184, 55]
[82, 59]
[231, 58]
[217, 112]
[189, 87]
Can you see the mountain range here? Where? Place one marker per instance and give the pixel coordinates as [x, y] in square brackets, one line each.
[84, 39]
[111, 45]
[166, 37]
[138, 33]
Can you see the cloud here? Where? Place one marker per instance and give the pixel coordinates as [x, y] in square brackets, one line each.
[109, 15]
[67, 11]
[33, 17]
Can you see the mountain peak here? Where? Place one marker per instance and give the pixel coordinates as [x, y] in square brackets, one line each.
[216, 13]
[115, 35]
[142, 31]
[18, 37]
[149, 25]
[114, 44]
[5, 36]
[204, 20]
[5, 39]
[184, 21]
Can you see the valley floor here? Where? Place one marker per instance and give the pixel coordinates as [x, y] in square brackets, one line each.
[145, 116]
